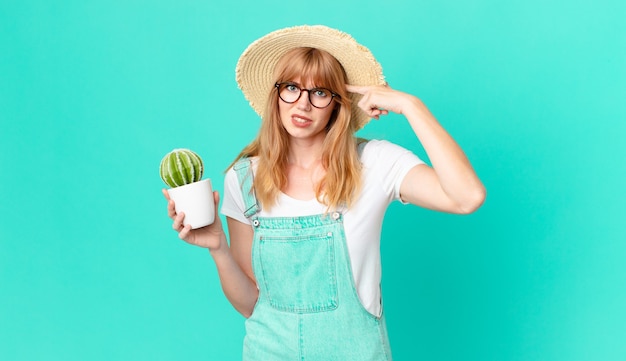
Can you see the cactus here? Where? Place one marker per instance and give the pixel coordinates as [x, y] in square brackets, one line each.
[180, 167]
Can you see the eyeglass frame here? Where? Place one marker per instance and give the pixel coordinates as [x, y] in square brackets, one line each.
[332, 94]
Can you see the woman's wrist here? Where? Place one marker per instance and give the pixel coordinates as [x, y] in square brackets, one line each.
[221, 249]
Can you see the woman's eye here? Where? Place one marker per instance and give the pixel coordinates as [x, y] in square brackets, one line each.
[292, 88]
[320, 93]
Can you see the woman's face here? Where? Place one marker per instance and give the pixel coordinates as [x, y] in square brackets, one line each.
[301, 119]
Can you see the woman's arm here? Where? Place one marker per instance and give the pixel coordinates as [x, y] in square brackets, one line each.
[451, 185]
[234, 265]
[237, 277]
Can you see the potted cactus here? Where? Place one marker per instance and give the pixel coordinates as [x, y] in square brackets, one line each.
[181, 170]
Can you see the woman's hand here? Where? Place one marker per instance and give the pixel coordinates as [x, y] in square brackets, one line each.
[211, 236]
[379, 100]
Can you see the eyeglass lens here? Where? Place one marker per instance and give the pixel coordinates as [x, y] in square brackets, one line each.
[319, 97]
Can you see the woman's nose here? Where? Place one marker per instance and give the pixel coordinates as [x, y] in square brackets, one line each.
[304, 102]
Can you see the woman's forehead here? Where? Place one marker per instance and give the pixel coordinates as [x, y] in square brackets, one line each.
[307, 79]
[305, 82]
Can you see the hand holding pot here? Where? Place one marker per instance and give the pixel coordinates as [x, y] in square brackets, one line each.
[211, 237]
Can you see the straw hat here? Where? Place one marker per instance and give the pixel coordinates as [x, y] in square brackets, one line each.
[255, 67]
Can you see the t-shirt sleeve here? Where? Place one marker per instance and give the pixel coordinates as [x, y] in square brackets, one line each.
[391, 163]
[233, 204]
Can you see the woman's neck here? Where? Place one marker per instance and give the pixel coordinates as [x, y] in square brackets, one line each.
[305, 154]
[304, 170]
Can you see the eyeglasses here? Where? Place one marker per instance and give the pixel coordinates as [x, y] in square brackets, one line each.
[318, 97]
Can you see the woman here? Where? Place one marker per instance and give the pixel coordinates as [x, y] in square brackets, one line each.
[304, 202]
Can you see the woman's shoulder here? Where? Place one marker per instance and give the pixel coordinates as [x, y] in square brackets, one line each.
[381, 149]
[231, 175]
[386, 157]
[242, 163]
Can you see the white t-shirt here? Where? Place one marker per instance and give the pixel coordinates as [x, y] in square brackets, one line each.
[384, 167]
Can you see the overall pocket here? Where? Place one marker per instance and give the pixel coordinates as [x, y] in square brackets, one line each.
[299, 273]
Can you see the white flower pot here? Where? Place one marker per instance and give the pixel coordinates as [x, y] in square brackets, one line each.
[196, 201]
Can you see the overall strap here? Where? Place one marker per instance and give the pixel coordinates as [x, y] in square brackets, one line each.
[243, 168]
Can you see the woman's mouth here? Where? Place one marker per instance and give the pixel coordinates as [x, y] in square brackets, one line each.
[300, 120]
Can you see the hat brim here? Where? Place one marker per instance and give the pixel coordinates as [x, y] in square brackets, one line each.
[256, 64]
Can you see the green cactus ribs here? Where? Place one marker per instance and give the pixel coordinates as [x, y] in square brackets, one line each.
[180, 167]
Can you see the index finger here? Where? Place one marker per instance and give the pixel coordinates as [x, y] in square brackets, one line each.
[166, 194]
[359, 89]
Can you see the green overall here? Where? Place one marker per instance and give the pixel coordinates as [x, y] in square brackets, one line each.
[308, 308]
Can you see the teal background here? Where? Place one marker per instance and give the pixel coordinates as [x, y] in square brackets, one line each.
[94, 93]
